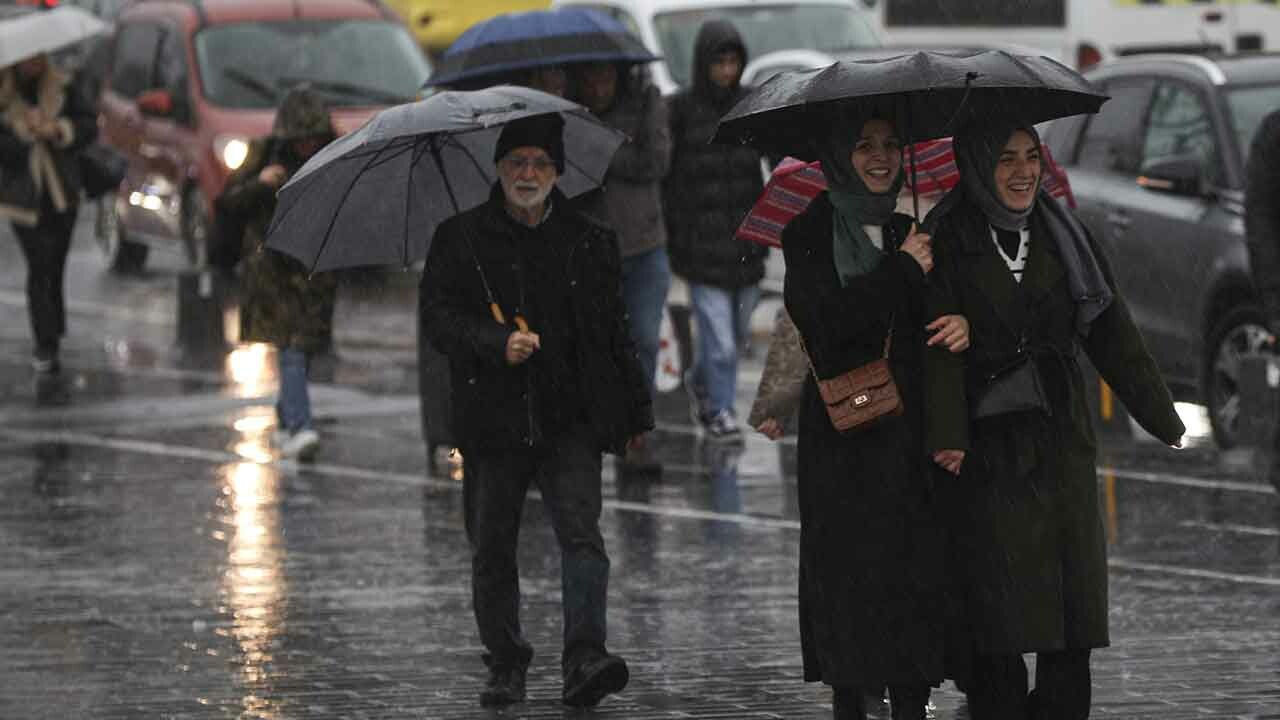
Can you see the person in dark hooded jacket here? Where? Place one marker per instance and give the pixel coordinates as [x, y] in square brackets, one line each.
[709, 190]
[284, 304]
[44, 124]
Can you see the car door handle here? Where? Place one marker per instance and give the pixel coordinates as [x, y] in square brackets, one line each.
[1119, 219]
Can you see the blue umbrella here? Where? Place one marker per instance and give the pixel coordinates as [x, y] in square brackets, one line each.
[524, 41]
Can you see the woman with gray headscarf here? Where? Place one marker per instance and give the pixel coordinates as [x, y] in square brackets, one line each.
[870, 544]
[1030, 556]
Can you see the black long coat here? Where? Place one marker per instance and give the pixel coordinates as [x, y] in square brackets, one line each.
[870, 539]
[493, 408]
[1025, 521]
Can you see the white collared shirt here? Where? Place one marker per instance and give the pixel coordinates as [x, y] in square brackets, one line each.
[876, 234]
[1018, 263]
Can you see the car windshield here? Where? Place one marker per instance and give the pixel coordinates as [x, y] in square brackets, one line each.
[1249, 105]
[351, 62]
[764, 29]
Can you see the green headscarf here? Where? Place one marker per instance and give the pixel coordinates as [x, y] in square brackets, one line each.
[855, 205]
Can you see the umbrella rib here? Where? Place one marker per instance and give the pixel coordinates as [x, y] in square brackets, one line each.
[419, 149]
[324, 243]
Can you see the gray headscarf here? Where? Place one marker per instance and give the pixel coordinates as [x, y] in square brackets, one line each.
[977, 154]
[855, 205]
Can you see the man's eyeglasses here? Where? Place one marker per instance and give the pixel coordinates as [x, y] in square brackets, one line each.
[520, 164]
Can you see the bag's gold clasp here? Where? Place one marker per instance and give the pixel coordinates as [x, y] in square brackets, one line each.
[861, 400]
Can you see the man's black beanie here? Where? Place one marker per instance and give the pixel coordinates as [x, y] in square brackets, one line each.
[540, 131]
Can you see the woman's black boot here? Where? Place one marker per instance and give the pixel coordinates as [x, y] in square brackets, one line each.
[846, 704]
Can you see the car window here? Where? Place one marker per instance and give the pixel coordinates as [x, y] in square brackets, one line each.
[1180, 124]
[351, 62]
[133, 68]
[1248, 107]
[171, 65]
[1110, 138]
[764, 29]
[618, 14]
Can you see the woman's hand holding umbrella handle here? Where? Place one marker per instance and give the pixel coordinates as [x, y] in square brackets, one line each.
[919, 246]
[949, 460]
[520, 346]
[951, 331]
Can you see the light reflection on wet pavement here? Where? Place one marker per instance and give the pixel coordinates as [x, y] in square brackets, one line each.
[160, 563]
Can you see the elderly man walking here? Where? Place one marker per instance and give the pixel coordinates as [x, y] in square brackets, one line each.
[522, 294]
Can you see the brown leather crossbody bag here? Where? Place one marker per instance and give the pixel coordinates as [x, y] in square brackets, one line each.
[862, 397]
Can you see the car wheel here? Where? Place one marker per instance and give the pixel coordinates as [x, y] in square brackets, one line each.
[122, 255]
[1238, 334]
[195, 228]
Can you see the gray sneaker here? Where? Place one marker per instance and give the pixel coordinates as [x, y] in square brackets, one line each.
[723, 427]
[301, 445]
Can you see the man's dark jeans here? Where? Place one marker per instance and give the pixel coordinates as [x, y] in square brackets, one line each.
[45, 248]
[567, 473]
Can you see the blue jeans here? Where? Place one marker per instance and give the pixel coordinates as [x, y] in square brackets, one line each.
[293, 407]
[645, 281]
[723, 320]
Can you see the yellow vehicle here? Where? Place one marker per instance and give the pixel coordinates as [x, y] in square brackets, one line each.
[437, 23]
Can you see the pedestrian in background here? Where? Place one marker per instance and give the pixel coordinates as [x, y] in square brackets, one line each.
[44, 124]
[871, 546]
[283, 302]
[1024, 514]
[709, 190]
[630, 202]
[1262, 216]
[522, 293]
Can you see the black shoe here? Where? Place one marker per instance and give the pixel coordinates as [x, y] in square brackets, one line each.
[588, 683]
[505, 686]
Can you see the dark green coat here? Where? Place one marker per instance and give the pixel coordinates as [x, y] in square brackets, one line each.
[282, 303]
[1030, 553]
[870, 533]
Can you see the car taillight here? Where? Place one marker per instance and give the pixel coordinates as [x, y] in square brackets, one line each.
[1087, 56]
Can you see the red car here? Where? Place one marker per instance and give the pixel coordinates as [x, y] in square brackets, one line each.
[190, 82]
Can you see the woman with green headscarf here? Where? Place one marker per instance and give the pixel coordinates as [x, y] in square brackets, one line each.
[870, 545]
[1029, 552]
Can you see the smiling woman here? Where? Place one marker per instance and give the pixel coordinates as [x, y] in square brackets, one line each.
[351, 62]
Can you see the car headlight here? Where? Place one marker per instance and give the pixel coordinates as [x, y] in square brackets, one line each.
[231, 150]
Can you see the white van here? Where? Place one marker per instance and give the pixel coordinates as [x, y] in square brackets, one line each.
[1083, 33]
[668, 27]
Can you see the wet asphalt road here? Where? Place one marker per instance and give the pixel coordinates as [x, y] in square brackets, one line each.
[159, 562]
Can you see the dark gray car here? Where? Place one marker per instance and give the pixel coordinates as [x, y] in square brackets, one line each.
[1159, 179]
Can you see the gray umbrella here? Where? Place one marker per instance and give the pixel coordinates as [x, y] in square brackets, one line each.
[375, 196]
[25, 34]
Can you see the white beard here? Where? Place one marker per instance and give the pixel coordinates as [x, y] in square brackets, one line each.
[527, 202]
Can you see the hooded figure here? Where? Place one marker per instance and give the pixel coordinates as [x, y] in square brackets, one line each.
[710, 188]
[283, 302]
[870, 548]
[1029, 554]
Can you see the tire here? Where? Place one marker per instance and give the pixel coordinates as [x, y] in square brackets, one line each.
[122, 255]
[197, 228]
[1241, 331]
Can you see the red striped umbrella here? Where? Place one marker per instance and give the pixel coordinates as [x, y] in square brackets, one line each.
[795, 183]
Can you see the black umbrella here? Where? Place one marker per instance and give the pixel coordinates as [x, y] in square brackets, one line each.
[375, 196]
[930, 94]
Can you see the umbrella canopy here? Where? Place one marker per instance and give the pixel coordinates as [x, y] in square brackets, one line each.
[28, 33]
[929, 95]
[523, 41]
[795, 183]
[376, 195]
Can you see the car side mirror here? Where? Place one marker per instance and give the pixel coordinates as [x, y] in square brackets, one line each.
[156, 102]
[1179, 175]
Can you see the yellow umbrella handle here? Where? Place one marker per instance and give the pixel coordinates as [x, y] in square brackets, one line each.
[497, 313]
[520, 323]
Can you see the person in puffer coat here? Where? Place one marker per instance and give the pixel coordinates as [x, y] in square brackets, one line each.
[709, 190]
[44, 124]
[284, 303]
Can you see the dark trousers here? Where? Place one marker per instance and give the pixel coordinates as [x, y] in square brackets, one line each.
[907, 702]
[45, 248]
[567, 473]
[1063, 690]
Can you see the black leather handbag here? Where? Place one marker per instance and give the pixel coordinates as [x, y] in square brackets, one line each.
[1017, 387]
[102, 169]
